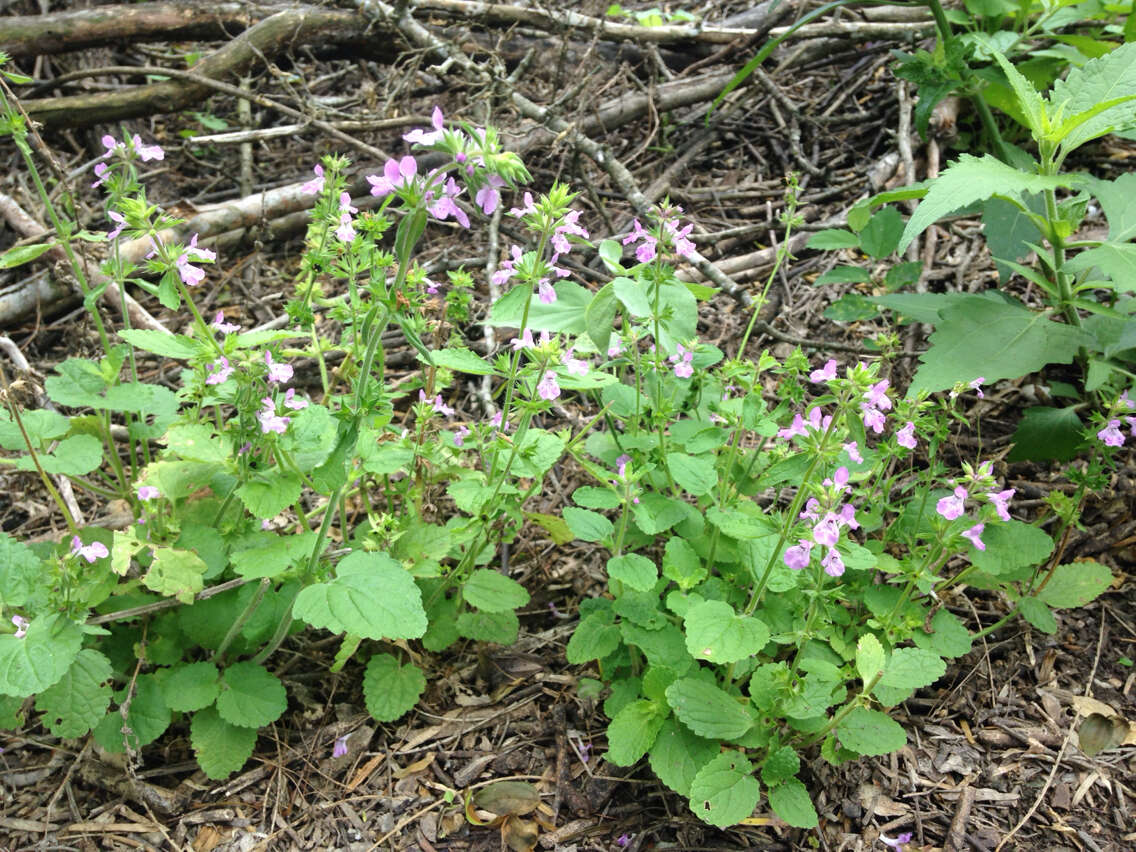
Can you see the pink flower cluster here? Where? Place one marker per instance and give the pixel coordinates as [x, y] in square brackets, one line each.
[669, 230]
[193, 275]
[683, 366]
[112, 145]
[826, 528]
[953, 506]
[1111, 435]
[569, 226]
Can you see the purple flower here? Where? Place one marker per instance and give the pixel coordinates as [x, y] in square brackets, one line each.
[340, 747]
[147, 152]
[853, 451]
[827, 531]
[423, 137]
[315, 185]
[905, 437]
[102, 172]
[548, 388]
[621, 465]
[873, 418]
[148, 492]
[832, 563]
[508, 269]
[437, 403]
[119, 219]
[528, 208]
[624, 840]
[94, 550]
[976, 385]
[683, 368]
[973, 534]
[293, 402]
[839, 479]
[680, 237]
[797, 427]
[198, 253]
[110, 143]
[269, 420]
[810, 512]
[222, 326]
[953, 506]
[191, 275]
[396, 173]
[900, 841]
[798, 556]
[826, 373]
[346, 231]
[1001, 501]
[21, 626]
[460, 436]
[1111, 434]
[219, 371]
[848, 516]
[545, 292]
[525, 341]
[444, 206]
[277, 373]
[876, 395]
[646, 250]
[576, 366]
[488, 198]
[615, 349]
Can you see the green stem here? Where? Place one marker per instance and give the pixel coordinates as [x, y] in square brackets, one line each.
[238, 625]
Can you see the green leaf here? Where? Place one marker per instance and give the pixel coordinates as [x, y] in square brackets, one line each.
[251, 696]
[920, 307]
[1030, 102]
[633, 731]
[843, 275]
[948, 636]
[371, 596]
[1046, 433]
[41, 425]
[682, 564]
[196, 442]
[791, 802]
[1038, 614]
[979, 337]
[20, 255]
[911, 668]
[78, 384]
[724, 792]
[176, 346]
[20, 572]
[833, 238]
[1009, 231]
[311, 437]
[594, 638]
[880, 236]
[463, 361]
[1115, 260]
[74, 456]
[267, 554]
[633, 296]
[566, 314]
[780, 766]
[851, 307]
[1115, 198]
[656, 513]
[586, 525]
[391, 689]
[221, 747]
[76, 703]
[870, 732]
[714, 632]
[176, 574]
[638, 572]
[968, 180]
[591, 497]
[677, 755]
[695, 474]
[192, 686]
[1096, 82]
[869, 658]
[270, 493]
[707, 710]
[41, 658]
[499, 627]
[1011, 546]
[147, 718]
[600, 315]
[662, 646]
[1074, 584]
[491, 591]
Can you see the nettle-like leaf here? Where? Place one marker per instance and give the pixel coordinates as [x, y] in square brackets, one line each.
[176, 573]
[73, 456]
[695, 474]
[176, 346]
[499, 627]
[780, 766]
[1011, 546]
[491, 591]
[41, 425]
[1115, 197]
[391, 689]
[1098, 81]
[251, 696]
[594, 638]
[948, 636]
[31, 664]
[980, 337]
[911, 668]
[635, 570]
[791, 802]
[682, 564]
[192, 686]
[716, 633]
[1048, 433]
[147, 718]
[587, 525]
[869, 657]
[371, 596]
[970, 179]
[708, 710]
[80, 699]
[220, 746]
[677, 755]
[633, 730]
[1038, 614]
[1076, 584]
[1116, 260]
[270, 492]
[724, 792]
[870, 732]
[20, 572]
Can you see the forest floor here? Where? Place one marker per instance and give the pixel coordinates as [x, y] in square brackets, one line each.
[990, 746]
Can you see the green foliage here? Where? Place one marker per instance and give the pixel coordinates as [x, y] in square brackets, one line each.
[221, 748]
[390, 688]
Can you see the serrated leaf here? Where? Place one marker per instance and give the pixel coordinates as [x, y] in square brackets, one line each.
[74, 456]
[970, 179]
[591, 497]
[192, 686]
[587, 525]
[147, 718]
[677, 755]
[491, 591]
[76, 703]
[221, 747]
[638, 572]
[911, 668]
[843, 275]
[1038, 614]
[499, 627]
[1115, 198]
[1116, 260]
[870, 732]
[1046, 433]
[831, 239]
[1074, 584]
[20, 255]
[270, 492]
[948, 636]
[780, 765]
[31, 664]
[695, 474]
[391, 689]
[371, 596]
[724, 792]
[979, 337]
[462, 360]
[600, 317]
[19, 572]
[880, 236]
[251, 696]
[1096, 82]
[716, 633]
[656, 513]
[176, 574]
[594, 638]
[1009, 231]
[707, 710]
[869, 657]
[791, 802]
[920, 307]
[1010, 546]
[682, 564]
[176, 346]
[633, 731]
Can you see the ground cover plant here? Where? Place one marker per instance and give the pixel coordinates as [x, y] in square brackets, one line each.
[781, 534]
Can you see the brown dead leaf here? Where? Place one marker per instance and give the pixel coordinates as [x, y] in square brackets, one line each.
[519, 835]
[507, 798]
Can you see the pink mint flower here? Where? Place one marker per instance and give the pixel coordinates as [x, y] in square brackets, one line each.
[873, 418]
[683, 368]
[396, 173]
[1130, 404]
[219, 371]
[346, 230]
[817, 421]
[576, 366]
[569, 227]
[621, 465]
[21, 626]
[277, 373]
[953, 506]
[905, 437]
[191, 275]
[839, 480]
[680, 238]
[315, 185]
[847, 516]
[624, 840]
[340, 747]
[119, 220]
[444, 206]
[148, 492]
[460, 436]
[832, 563]
[827, 532]
[1001, 502]
[1111, 434]
[898, 843]
[488, 198]
[797, 427]
[876, 395]
[110, 143]
[545, 292]
[973, 534]
[811, 509]
[508, 268]
[798, 556]
[270, 421]
[528, 208]
[853, 450]
[825, 374]
[293, 402]
[616, 348]
[437, 403]
[224, 327]
[102, 172]
[424, 137]
[147, 152]
[525, 341]
[94, 550]
[548, 388]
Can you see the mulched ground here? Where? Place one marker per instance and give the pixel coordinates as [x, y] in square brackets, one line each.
[991, 745]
